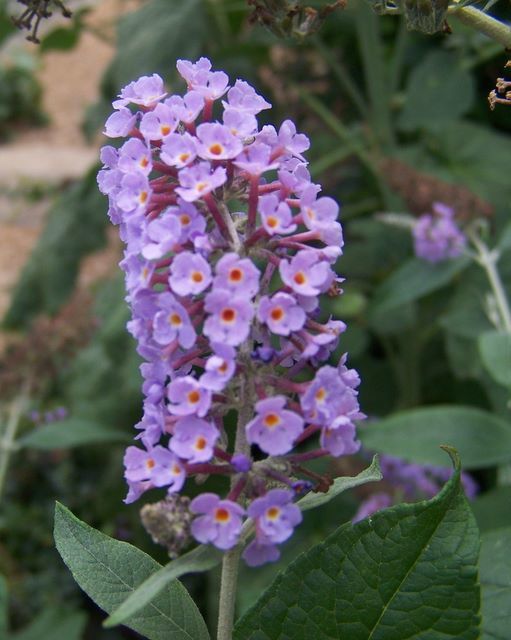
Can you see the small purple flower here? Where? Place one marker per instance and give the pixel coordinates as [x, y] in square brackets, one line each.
[158, 465]
[194, 439]
[240, 124]
[190, 274]
[275, 429]
[146, 92]
[317, 212]
[306, 274]
[187, 397]
[216, 142]
[243, 97]
[199, 180]
[437, 237]
[219, 368]
[160, 236]
[230, 317]
[339, 437]
[276, 216]
[276, 516]
[135, 157]
[221, 522]
[210, 84]
[281, 313]
[134, 194]
[241, 463]
[120, 123]
[173, 323]
[178, 150]
[257, 553]
[186, 108]
[238, 275]
[159, 123]
[256, 159]
[328, 397]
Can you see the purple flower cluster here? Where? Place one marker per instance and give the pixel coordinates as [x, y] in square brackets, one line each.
[410, 482]
[229, 246]
[436, 235]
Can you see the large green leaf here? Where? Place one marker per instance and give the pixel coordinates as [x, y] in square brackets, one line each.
[495, 576]
[495, 349]
[481, 438]
[313, 500]
[73, 432]
[439, 91]
[202, 558]
[406, 572]
[54, 624]
[414, 279]
[109, 571]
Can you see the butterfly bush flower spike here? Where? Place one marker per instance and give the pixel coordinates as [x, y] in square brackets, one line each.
[228, 250]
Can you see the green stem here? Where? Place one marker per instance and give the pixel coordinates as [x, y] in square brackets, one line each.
[483, 23]
[7, 442]
[227, 600]
[488, 260]
[398, 57]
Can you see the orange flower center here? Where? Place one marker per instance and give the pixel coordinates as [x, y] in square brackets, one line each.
[201, 186]
[165, 130]
[185, 219]
[223, 367]
[320, 394]
[272, 513]
[228, 315]
[150, 463]
[222, 515]
[200, 443]
[183, 157]
[193, 396]
[197, 276]
[271, 420]
[300, 277]
[271, 221]
[235, 275]
[143, 197]
[175, 319]
[144, 162]
[277, 314]
[216, 149]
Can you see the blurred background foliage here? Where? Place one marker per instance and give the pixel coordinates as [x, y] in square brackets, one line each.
[398, 120]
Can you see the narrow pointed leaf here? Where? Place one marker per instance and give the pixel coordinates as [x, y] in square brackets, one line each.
[495, 350]
[73, 432]
[313, 500]
[406, 573]
[109, 571]
[202, 558]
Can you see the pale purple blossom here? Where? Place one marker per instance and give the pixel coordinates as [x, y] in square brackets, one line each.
[173, 323]
[306, 274]
[199, 180]
[216, 142]
[274, 429]
[159, 123]
[120, 123]
[194, 439]
[238, 275]
[146, 92]
[229, 319]
[220, 523]
[281, 313]
[179, 150]
[190, 274]
[187, 396]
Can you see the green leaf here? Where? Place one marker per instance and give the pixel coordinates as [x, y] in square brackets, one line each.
[73, 432]
[109, 571]
[493, 509]
[439, 91]
[495, 350]
[412, 280]
[482, 439]
[201, 558]
[495, 576]
[4, 603]
[406, 572]
[54, 624]
[371, 474]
